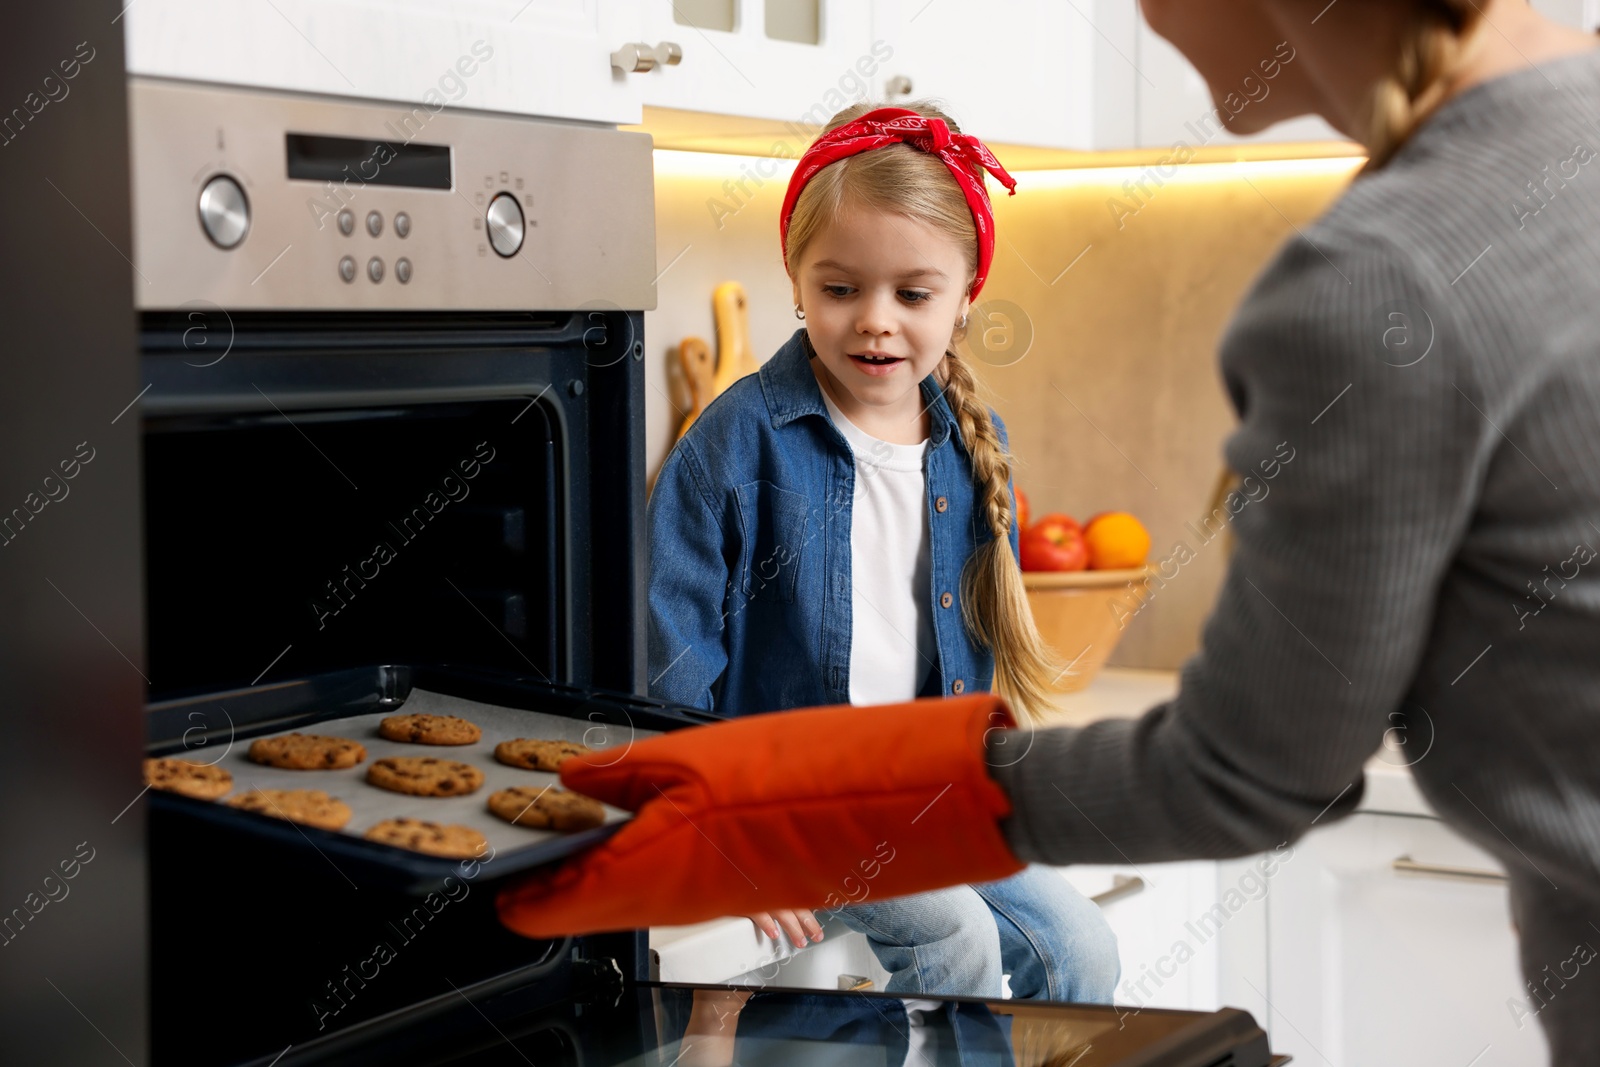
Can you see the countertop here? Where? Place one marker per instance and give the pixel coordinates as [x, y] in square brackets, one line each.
[1119, 692]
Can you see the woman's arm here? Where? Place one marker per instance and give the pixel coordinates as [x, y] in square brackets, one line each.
[1323, 620]
[688, 581]
[1362, 455]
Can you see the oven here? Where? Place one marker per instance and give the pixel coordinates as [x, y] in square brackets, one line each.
[392, 459]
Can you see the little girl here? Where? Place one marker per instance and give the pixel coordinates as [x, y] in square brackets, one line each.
[838, 528]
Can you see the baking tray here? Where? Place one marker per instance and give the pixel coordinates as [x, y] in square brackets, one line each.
[218, 728]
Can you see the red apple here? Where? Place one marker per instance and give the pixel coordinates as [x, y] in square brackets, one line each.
[1020, 521]
[1054, 543]
[1056, 518]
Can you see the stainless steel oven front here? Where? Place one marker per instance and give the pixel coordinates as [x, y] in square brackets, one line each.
[392, 444]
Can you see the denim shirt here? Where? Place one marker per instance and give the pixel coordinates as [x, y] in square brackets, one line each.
[750, 584]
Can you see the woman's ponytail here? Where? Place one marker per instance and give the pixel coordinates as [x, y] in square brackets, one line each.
[1431, 48]
[993, 600]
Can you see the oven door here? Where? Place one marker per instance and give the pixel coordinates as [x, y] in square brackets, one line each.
[340, 509]
[650, 1024]
[331, 490]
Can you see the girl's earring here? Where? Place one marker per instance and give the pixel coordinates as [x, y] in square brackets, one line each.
[798, 313]
[962, 325]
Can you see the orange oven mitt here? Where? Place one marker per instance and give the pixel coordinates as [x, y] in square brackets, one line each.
[801, 809]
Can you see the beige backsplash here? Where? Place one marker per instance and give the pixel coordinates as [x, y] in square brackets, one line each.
[1117, 404]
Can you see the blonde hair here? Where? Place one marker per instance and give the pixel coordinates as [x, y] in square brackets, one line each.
[1040, 1039]
[1432, 47]
[906, 181]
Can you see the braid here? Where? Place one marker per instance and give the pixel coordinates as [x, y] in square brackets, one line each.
[991, 467]
[993, 600]
[1432, 48]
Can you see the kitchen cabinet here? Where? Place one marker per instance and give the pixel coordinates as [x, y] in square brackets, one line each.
[1584, 14]
[1176, 948]
[534, 57]
[1025, 72]
[731, 951]
[1379, 955]
[785, 60]
[1175, 106]
[1080, 76]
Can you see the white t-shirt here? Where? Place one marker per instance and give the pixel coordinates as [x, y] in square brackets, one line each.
[892, 645]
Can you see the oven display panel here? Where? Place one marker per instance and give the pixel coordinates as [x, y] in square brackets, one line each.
[314, 157]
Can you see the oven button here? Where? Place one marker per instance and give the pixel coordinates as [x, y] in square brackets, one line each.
[375, 269]
[505, 224]
[402, 267]
[347, 269]
[225, 213]
[347, 222]
[374, 223]
[402, 225]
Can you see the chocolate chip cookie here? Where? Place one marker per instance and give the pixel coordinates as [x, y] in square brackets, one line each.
[420, 729]
[436, 839]
[532, 754]
[546, 809]
[425, 776]
[307, 752]
[311, 807]
[199, 780]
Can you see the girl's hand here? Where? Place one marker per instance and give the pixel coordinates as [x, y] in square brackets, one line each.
[799, 923]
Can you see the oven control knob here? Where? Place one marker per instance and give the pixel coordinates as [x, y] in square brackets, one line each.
[224, 211]
[505, 224]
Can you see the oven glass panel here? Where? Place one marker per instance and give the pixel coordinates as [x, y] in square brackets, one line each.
[416, 534]
[721, 1027]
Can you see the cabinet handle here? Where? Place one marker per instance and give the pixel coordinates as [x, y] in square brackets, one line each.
[636, 58]
[1407, 866]
[1121, 886]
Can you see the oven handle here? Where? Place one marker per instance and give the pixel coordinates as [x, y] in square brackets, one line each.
[704, 718]
[1407, 866]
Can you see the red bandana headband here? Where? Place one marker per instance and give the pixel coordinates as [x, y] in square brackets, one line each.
[965, 156]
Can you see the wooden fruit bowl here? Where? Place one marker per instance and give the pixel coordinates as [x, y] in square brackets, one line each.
[1081, 614]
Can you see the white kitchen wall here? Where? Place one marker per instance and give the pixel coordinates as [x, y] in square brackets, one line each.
[710, 230]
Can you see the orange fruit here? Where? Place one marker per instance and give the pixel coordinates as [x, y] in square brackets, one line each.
[1117, 541]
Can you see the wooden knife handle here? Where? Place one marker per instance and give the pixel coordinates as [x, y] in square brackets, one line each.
[699, 370]
[731, 311]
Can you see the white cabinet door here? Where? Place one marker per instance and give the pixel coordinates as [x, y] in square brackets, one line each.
[732, 952]
[1584, 14]
[1176, 107]
[1371, 966]
[1173, 943]
[1011, 71]
[531, 57]
[787, 60]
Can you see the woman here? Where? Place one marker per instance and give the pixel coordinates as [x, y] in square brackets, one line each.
[1429, 349]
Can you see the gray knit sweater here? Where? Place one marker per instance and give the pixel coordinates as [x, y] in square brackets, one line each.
[1429, 559]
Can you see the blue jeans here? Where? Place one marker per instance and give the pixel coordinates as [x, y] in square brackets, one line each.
[1048, 937]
